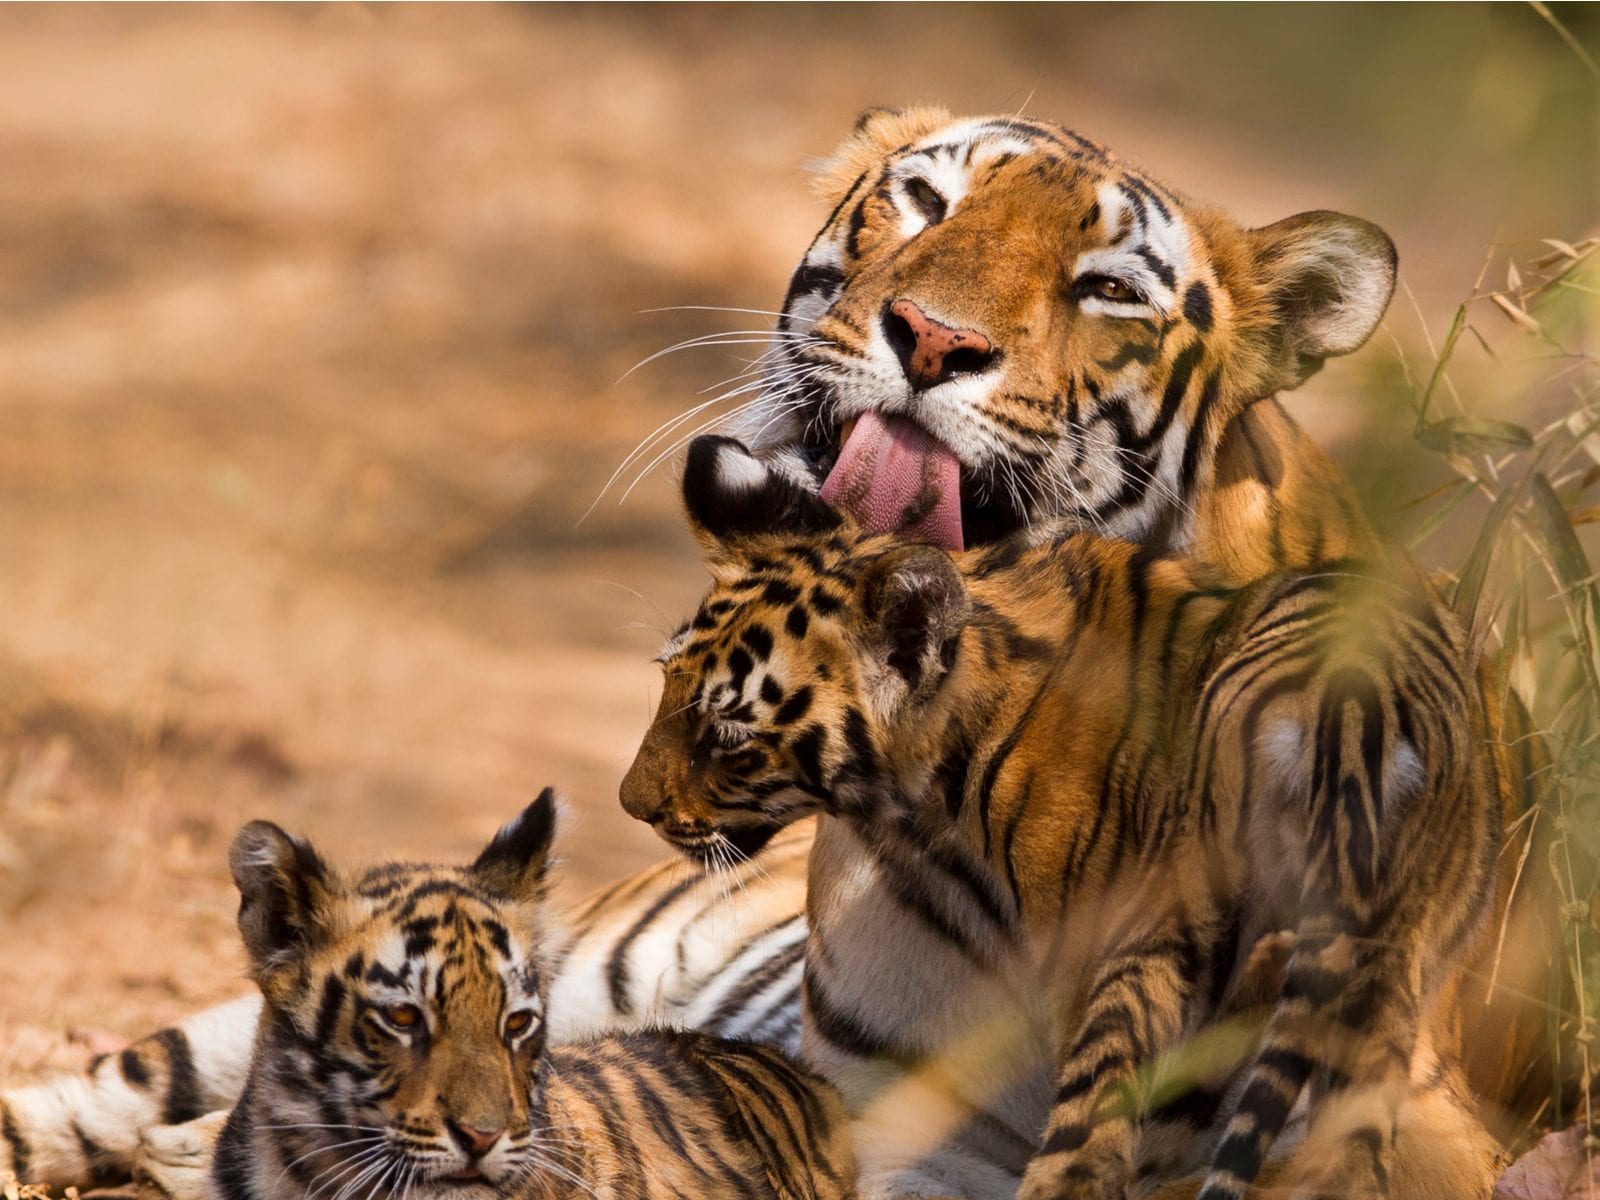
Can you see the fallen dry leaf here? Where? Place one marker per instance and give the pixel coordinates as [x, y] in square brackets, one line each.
[1560, 1167]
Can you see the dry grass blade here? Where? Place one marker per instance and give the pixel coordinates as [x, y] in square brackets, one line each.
[1504, 304]
[1565, 35]
[1567, 554]
[1573, 574]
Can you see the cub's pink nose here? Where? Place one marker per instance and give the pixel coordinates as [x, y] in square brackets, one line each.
[476, 1142]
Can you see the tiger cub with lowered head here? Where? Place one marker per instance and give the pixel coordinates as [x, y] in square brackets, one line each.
[1067, 784]
[402, 1051]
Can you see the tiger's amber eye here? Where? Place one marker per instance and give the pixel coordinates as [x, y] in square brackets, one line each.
[518, 1022]
[1114, 289]
[402, 1016]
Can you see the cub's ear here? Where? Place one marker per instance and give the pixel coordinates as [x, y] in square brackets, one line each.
[918, 604]
[286, 894]
[1327, 279]
[515, 865]
[731, 494]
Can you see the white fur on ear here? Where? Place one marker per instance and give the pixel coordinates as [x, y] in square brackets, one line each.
[732, 496]
[1330, 278]
[738, 470]
[515, 864]
[1327, 280]
[1358, 273]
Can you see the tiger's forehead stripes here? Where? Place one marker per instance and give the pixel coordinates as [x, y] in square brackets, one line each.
[440, 935]
[777, 592]
[979, 150]
[954, 158]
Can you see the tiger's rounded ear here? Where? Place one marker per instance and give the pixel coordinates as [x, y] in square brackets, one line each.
[873, 115]
[919, 606]
[1327, 279]
[731, 494]
[878, 132]
[515, 865]
[286, 893]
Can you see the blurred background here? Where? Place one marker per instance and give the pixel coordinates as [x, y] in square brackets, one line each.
[312, 321]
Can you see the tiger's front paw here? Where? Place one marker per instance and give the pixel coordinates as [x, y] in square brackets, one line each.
[174, 1161]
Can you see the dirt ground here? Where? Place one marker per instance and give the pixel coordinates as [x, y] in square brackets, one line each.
[311, 326]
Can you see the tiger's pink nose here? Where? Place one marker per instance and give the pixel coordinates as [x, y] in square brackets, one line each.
[476, 1142]
[930, 351]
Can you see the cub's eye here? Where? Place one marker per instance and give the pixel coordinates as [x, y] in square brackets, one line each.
[404, 1017]
[517, 1023]
[1106, 287]
[928, 203]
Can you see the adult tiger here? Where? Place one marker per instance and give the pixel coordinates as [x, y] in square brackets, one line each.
[1002, 324]
[1067, 787]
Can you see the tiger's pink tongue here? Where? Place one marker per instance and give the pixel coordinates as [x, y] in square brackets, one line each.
[894, 476]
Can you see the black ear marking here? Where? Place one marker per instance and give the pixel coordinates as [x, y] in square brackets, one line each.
[730, 493]
[872, 113]
[283, 887]
[515, 864]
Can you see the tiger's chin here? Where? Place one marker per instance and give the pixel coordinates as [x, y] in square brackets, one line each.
[722, 848]
[469, 1181]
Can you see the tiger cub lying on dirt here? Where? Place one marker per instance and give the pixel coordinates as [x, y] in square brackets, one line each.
[653, 949]
[402, 1051]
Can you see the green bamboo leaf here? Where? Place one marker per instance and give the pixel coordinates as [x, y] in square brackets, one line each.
[1560, 539]
[1457, 323]
[1573, 573]
[1474, 435]
[1469, 588]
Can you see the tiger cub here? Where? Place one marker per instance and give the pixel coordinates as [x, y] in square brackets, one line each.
[657, 948]
[1066, 783]
[402, 1051]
